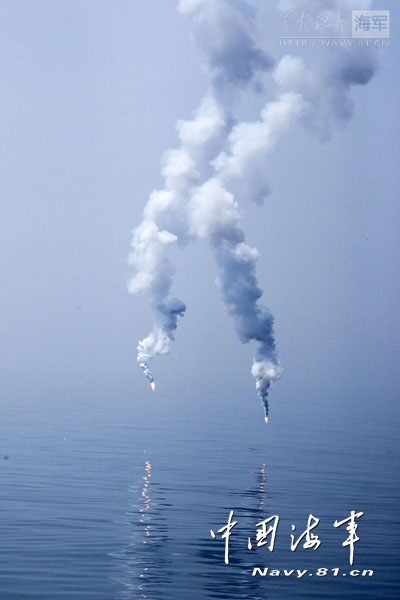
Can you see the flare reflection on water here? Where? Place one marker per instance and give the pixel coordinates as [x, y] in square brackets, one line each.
[261, 487]
[146, 564]
[217, 580]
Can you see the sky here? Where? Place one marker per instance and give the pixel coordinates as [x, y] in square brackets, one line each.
[91, 92]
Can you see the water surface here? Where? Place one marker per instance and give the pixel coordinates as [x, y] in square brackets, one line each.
[100, 498]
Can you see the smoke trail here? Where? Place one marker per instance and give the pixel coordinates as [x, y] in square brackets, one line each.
[219, 159]
[224, 31]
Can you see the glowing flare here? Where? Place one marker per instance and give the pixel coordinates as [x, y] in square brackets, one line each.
[153, 385]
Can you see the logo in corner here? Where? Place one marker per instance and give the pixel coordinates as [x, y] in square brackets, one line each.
[370, 24]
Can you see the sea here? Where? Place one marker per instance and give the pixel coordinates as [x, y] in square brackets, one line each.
[138, 496]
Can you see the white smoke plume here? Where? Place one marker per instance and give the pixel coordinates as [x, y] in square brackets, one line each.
[220, 158]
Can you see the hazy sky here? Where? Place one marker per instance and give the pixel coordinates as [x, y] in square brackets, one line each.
[91, 91]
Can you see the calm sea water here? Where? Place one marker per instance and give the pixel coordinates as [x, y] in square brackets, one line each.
[115, 500]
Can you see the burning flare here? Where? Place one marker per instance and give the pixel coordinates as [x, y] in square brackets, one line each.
[153, 385]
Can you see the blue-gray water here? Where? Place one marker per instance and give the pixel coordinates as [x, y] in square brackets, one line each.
[115, 499]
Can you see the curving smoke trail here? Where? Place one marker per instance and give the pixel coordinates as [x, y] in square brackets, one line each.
[219, 159]
[224, 31]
